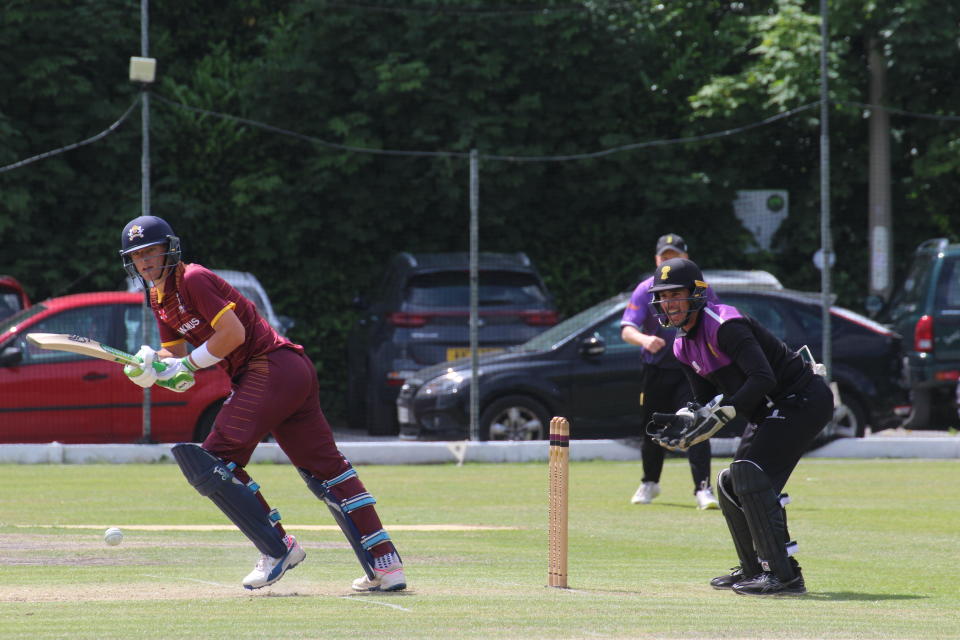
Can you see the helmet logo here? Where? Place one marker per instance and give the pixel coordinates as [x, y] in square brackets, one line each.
[665, 272]
[136, 231]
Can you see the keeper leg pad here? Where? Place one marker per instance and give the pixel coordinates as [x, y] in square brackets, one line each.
[341, 510]
[765, 517]
[737, 524]
[213, 478]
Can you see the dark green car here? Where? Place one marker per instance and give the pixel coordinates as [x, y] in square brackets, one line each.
[925, 309]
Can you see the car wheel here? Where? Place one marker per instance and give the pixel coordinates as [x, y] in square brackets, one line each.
[514, 418]
[205, 423]
[849, 419]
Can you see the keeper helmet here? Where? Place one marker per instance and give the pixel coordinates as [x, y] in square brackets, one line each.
[146, 231]
[678, 273]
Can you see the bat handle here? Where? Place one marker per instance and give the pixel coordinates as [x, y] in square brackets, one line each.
[158, 366]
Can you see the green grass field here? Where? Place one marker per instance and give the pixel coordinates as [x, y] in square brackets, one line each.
[878, 545]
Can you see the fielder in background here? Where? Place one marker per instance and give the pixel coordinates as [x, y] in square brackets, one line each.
[275, 391]
[785, 402]
[663, 387]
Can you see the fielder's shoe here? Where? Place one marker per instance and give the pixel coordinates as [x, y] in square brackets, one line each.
[388, 576]
[646, 492]
[768, 584]
[727, 581]
[706, 499]
[270, 569]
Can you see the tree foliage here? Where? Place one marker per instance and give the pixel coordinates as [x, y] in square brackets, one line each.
[317, 222]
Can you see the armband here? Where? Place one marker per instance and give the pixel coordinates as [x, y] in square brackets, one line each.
[202, 358]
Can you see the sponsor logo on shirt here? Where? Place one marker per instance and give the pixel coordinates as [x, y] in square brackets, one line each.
[192, 323]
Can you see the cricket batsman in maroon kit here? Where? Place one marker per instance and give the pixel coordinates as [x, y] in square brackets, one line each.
[275, 391]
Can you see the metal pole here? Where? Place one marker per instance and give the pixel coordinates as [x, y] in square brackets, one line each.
[826, 244]
[146, 316]
[474, 296]
[880, 214]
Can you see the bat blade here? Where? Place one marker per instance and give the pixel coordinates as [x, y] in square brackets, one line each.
[83, 346]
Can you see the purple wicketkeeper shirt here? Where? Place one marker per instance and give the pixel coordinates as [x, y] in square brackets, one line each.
[639, 314]
[701, 351]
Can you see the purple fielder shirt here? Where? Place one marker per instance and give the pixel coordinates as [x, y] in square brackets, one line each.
[639, 314]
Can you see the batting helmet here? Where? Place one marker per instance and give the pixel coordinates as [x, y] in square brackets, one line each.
[146, 231]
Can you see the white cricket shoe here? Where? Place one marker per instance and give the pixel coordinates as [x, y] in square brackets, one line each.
[390, 578]
[270, 569]
[646, 492]
[706, 499]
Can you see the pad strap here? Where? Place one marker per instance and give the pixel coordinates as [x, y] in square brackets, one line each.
[375, 538]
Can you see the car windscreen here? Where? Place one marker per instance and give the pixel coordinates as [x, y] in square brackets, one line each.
[914, 285]
[572, 325]
[948, 286]
[452, 289]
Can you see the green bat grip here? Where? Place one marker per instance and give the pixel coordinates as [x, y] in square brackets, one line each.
[177, 382]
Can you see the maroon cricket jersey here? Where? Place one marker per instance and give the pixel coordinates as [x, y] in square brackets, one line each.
[194, 299]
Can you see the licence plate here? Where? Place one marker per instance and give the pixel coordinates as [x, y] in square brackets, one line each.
[455, 353]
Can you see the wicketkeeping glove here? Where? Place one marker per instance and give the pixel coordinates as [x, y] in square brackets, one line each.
[178, 374]
[146, 374]
[691, 425]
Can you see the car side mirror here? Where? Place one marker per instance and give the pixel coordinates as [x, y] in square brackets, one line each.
[592, 346]
[11, 356]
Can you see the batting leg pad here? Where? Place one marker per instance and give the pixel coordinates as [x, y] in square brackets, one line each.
[341, 510]
[737, 524]
[765, 517]
[213, 478]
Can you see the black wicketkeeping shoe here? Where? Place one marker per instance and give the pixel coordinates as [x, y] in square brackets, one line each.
[767, 584]
[726, 582]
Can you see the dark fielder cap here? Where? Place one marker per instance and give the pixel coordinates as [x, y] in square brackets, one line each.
[671, 241]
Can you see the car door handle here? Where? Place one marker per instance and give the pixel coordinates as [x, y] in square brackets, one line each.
[93, 375]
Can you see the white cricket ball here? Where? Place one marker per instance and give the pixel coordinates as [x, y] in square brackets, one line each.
[113, 536]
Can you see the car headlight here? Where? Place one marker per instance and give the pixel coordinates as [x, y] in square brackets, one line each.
[450, 382]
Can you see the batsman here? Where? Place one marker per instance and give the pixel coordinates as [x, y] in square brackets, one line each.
[274, 391]
[736, 367]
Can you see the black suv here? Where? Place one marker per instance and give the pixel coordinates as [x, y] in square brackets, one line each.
[420, 315]
[925, 309]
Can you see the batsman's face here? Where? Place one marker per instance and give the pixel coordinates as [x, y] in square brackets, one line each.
[150, 261]
[675, 304]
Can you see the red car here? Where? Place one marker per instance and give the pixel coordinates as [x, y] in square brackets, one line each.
[12, 297]
[54, 395]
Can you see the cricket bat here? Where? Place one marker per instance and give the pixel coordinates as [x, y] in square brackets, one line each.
[88, 347]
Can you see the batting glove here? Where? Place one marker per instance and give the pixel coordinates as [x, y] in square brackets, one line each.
[691, 425]
[178, 375]
[144, 375]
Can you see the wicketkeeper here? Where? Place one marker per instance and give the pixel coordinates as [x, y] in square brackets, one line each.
[275, 391]
[737, 367]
